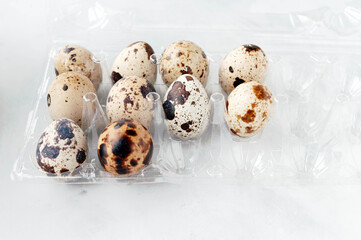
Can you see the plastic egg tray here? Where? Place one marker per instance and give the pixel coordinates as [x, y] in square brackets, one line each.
[314, 73]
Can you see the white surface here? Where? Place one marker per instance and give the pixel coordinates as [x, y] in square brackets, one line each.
[164, 211]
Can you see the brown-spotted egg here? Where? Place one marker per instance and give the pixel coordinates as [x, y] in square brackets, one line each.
[134, 60]
[127, 100]
[243, 64]
[125, 147]
[62, 147]
[183, 57]
[248, 108]
[186, 107]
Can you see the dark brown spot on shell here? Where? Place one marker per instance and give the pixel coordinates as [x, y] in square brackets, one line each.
[233, 131]
[110, 98]
[185, 126]
[148, 49]
[48, 98]
[145, 89]
[102, 154]
[202, 74]
[80, 156]
[179, 54]
[131, 132]
[116, 76]
[251, 47]
[249, 130]
[65, 87]
[231, 69]
[135, 50]
[187, 70]
[126, 101]
[123, 147]
[261, 92]
[50, 152]
[68, 50]
[204, 54]
[72, 57]
[64, 129]
[63, 170]
[227, 103]
[148, 157]
[189, 78]
[249, 116]
[133, 162]
[168, 108]
[237, 82]
[121, 169]
[178, 93]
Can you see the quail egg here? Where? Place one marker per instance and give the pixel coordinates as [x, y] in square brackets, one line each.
[243, 64]
[183, 57]
[62, 147]
[248, 108]
[125, 147]
[186, 107]
[65, 96]
[134, 60]
[127, 100]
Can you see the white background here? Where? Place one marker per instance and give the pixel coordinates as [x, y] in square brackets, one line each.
[162, 211]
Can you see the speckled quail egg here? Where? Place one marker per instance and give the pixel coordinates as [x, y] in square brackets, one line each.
[125, 147]
[186, 107]
[248, 108]
[73, 58]
[65, 96]
[62, 147]
[243, 64]
[183, 57]
[134, 60]
[127, 100]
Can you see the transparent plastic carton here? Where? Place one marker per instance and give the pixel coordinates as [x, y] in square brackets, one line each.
[314, 72]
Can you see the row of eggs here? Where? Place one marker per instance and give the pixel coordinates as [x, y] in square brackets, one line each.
[126, 146]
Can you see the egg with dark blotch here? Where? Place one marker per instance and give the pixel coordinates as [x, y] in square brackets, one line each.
[243, 64]
[125, 147]
[62, 147]
[134, 60]
[127, 99]
[186, 107]
[72, 58]
[248, 108]
[65, 96]
[183, 57]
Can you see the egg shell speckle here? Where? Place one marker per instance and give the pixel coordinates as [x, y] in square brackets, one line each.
[248, 108]
[73, 58]
[134, 60]
[65, 96]
[243, 64]
[127, 100]
[62, 147]
[186, 107]
[183, 57]
[125, 147]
